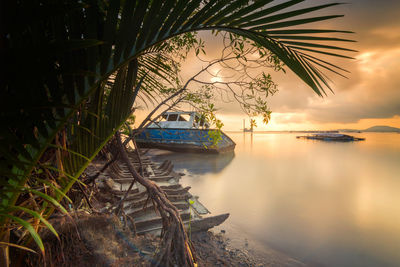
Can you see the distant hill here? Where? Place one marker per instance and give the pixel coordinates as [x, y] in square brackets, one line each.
[378, 128]
[382, 128]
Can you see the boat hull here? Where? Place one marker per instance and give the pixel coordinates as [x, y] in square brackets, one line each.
[183, 140]
[342, 138]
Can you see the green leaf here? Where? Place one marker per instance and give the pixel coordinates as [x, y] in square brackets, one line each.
[320, 52]
[69, 150]
[265, 12]
[55, 189]
[49, 199]
[38, 216]
[28, 227]
[303, 44]
[286, 15]
[309, 38]
[293, 22]
[17, 246]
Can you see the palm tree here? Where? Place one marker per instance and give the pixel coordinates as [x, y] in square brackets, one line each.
[71, 78]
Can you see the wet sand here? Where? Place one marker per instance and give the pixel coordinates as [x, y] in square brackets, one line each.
[216, 249]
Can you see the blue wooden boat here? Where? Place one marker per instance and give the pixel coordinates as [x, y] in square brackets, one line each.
[184, 132]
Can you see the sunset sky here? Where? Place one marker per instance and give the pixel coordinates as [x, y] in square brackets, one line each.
[371, 95]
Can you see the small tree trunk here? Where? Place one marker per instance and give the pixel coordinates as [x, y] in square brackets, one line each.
[176, 248]
[4, 250]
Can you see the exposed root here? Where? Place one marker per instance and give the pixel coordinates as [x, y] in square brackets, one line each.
[176, 248]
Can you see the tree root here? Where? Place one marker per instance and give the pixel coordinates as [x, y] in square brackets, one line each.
[176, 248]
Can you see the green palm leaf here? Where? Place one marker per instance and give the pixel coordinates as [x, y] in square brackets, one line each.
[28, 227]
[38, 216]
[67, 57]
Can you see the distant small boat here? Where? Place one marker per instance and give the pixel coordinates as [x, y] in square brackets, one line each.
[183, 132]
[332, 137]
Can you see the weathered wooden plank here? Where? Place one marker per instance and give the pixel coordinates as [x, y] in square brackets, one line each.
[196, 225]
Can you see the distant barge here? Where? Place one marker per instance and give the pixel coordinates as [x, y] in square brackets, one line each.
[183, 132]
[332, 137]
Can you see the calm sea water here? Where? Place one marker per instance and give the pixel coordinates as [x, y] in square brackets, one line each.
[323, 203]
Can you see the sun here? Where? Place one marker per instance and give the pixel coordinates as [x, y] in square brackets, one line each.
[216, 79]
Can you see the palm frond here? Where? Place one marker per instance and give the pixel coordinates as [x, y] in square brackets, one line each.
[60, 55]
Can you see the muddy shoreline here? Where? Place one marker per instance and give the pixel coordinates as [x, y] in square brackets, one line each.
[102, 240]
[216, 249]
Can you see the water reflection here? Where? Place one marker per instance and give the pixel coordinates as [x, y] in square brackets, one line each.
[327, 204]
[194, 163]
[247, 136]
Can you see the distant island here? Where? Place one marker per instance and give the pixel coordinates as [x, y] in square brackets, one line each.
[378, 128]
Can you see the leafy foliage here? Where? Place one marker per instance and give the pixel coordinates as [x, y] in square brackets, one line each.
[70, 70]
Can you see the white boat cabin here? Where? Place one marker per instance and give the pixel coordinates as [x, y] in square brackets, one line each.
[180, 120]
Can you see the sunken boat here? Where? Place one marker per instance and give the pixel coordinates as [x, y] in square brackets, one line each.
[183, 132]
[332, 137]
[115, 184]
